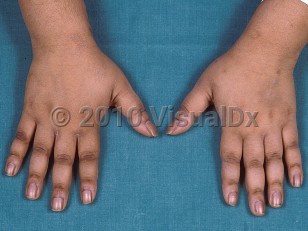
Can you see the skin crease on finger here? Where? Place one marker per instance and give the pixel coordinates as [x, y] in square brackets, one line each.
[68, 71]
[256, 75]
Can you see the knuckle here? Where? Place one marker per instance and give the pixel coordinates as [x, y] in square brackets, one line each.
[88, 156]
[88, 181]
[34, 176]
[255, 191]
[58, 187]
[273, 156]
[184, 107]
[295, 165]
[231, 182]
[230, 158]
[63, 159]
[255, 163]
[40, 150]
[293, 145]
[137, 110]
[15, 155]
[276, 183]
[22, 136]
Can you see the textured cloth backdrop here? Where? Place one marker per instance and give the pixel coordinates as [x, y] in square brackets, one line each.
[167, 183]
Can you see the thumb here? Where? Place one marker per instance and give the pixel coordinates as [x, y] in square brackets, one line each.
[131, 107]
[196, 102]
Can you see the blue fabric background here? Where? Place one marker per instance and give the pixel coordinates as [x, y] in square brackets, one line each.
[167, 183]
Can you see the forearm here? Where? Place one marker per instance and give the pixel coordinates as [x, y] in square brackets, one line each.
[278, 30]
[56, 24]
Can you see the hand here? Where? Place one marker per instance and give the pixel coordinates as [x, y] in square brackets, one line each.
[70, 78]
[233, 81]
[256, 75]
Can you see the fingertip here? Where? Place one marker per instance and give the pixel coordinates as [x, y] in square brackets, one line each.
[58, 202]
[232, 198]
[176, 128]
[170, 130]
[146, 129]
[10, 169]
[32, 191]
[87, 196]
[152, 130]
[88, 191]
[276, 199]
[258, 209]
[296, 180]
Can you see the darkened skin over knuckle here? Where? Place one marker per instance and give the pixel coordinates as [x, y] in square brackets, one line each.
[293, 145]
[294, 166]
[40, 150]
[88, 156]
[88, 181]
[273, 156]
[230, 158]
[255, 191]
[59, 187]
[63, 159]
[15, 155]
[276, 183]
[22, 136]
[254, 163]
[34, 176]
[231, 182]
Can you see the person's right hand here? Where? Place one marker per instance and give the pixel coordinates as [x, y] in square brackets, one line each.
[70, 77]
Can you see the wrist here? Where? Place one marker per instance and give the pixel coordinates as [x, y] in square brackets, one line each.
[276, 34]
[57, 25]
[67, 43]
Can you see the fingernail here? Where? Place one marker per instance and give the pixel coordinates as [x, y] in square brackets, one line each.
[57, 204]
[259, 208]
[86, 196]
[297, 181]
[10, 168]
[32, 191]
[150, 129]
[276, 199]
[172, 129]
[232, 198]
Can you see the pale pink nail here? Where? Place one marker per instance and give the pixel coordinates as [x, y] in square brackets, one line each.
[259, 208]
[276, 199]
[32, 191]
[86, 196]
[232, 198]
[297, 181]
[152, 132]
[57, 204]
[10, 168]
[172, 129]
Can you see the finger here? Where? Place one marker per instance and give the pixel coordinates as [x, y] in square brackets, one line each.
[42, 146]
[292, 154]
[132, 107]
[20, 145]
[196, 102]
[253, 153]
[231, 154]
[64, 155]
[88, 151]
[274, 168]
